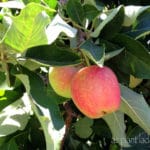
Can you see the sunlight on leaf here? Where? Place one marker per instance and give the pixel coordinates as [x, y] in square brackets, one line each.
[14, 117]
[56, 27]
[28, 28]
[12, 4]
[53, 137]
[131, 14]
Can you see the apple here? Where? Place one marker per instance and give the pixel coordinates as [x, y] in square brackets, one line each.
[60, 79]
[95, 91]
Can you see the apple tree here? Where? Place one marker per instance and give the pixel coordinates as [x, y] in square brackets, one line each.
[37, 37]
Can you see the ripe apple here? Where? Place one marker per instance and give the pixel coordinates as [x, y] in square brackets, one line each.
[95, 91]
[60, 79]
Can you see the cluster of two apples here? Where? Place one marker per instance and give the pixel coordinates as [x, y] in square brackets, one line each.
[94, 90]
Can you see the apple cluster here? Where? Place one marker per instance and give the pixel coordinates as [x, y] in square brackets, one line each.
[94, 90]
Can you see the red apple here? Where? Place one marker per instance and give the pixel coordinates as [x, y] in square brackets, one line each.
[95, 91]
[60, 79]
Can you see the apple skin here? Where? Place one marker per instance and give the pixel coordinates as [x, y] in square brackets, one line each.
[60, 79]
[95, 91]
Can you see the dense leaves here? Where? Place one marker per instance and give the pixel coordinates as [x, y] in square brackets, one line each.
[135, 59]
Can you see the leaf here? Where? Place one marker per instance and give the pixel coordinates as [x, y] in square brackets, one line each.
[30, 64]
[10, 145]
[12, 4]
[58, 26]
[96, 3]
[28, 28]
[51, 3]
[112, 54]
[44, 106]
[32, 82]
[135, 106]
[4, 27]
[131, 14]
[53, 55]
[141, 27]
[2, 78]
[7, 97]
[90, 12]
[23, 78]
[75, 11]
[94, 52]
[14, 117]
[135, 60]
[83, 127]
[113, 22]
[101, 129]
[52, 135]
[73, 143]
[117, 126]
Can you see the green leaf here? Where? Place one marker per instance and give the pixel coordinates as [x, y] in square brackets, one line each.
[75, 11]
[90, 12]
[135, 60]
[52, 135]
[8, 96]
[94, 52]
[30, 1]
[73, 143]
[53, 55]
[28, 28]
[117, 126]
[30, 64]
[135, 106]
[10, 145]
[32, 82]
[51, 3]
[112, 23]
[14, 117]
[4, 27]
[112, 54]
[57, 26]
[96, 3]
[141, 27]
[2, 78]
[83, 127]
[44, 106]
[101, 129]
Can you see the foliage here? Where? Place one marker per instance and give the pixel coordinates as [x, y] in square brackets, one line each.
[35, 35]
